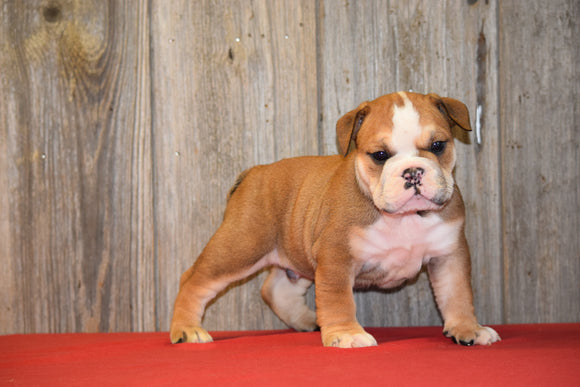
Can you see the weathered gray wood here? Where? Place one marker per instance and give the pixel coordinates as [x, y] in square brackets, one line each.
[473, 78]
[234, 85]
[75, 134]
[372, 48]
[122, 128]
[540, 159]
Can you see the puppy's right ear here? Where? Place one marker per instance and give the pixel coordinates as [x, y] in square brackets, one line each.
[348, 126]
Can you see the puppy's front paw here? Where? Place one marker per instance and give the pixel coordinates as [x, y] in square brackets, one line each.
[348, 338]
[471, 334]
[189, 334]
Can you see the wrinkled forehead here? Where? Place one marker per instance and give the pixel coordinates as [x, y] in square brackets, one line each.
[402, 119]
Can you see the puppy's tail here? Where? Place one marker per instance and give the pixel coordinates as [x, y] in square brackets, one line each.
[239, 180]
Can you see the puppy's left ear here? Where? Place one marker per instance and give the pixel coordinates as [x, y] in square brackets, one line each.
[348, 126]
[455, 110]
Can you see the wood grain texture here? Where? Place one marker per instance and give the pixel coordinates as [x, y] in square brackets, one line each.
[76, 147]
[234, 85]
[368, 49]
[540, 159]
[123, 125]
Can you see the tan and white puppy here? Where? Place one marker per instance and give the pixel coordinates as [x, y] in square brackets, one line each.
[371, 216]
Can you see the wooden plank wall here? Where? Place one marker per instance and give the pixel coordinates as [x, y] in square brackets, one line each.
[540, 161]
[124, 123]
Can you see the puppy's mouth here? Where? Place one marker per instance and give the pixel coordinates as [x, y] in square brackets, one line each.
[418, 189]
[407, 186]
[417, 203]
[417, 198]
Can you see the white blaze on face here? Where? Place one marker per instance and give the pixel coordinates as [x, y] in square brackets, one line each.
[406, 128]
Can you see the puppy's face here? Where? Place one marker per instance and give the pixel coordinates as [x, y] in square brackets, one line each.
[405, 153]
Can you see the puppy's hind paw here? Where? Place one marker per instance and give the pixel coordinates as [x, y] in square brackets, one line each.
[189, 335]
[306, 322]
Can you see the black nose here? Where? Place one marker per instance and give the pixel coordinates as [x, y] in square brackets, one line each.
[413, 177]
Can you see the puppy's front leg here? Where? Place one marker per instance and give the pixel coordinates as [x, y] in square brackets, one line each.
[335, 307]
[451, 282]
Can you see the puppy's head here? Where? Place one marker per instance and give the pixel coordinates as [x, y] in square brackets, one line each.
[404, 148]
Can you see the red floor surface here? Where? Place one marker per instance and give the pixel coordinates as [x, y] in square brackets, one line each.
[528, 355]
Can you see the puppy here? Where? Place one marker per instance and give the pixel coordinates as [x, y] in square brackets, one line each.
[371, 216]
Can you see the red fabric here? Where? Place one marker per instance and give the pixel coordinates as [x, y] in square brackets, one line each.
[528, 355]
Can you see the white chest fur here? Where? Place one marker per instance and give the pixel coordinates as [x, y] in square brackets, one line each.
[394, 248]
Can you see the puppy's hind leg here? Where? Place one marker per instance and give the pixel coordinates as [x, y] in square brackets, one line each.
[285, 293]
[193, 296]
[229, 256]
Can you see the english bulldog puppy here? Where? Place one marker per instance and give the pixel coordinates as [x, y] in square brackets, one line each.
[373, 215]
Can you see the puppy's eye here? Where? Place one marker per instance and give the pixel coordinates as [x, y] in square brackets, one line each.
[438, 147]
[380, 157]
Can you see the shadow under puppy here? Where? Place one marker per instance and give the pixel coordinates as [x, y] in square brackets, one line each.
[371, 216]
